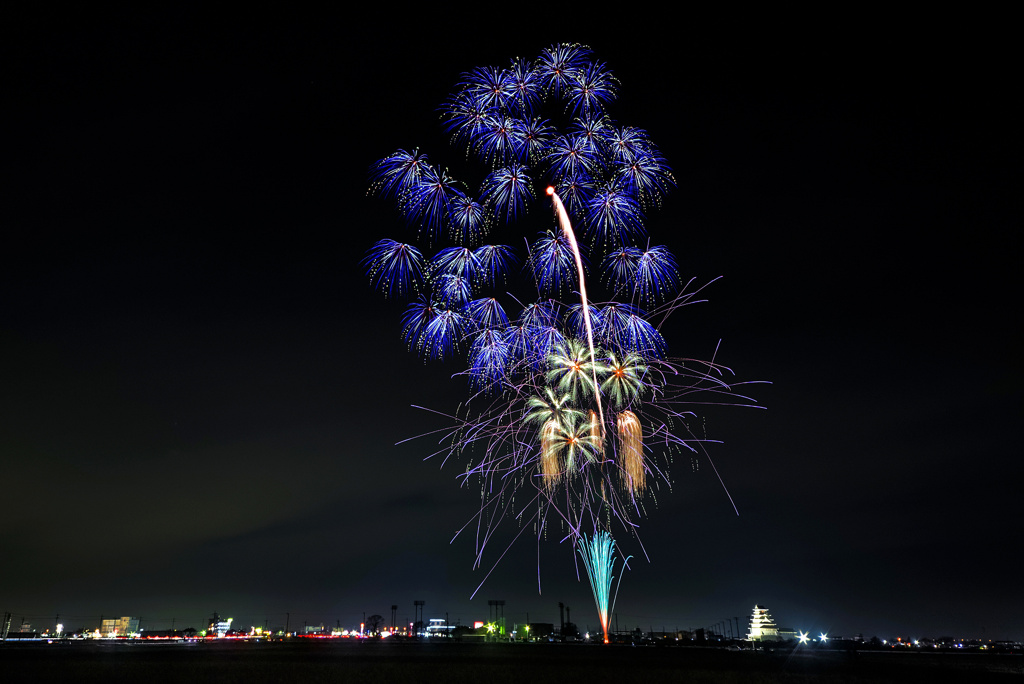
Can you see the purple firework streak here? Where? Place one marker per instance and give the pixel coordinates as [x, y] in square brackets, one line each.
[575, 408]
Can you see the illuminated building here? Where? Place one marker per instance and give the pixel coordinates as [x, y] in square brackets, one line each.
[762, 627]
[439, 627]
[218, 627]
[119, 627]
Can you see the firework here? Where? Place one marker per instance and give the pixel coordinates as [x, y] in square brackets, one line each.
[573, 371]
[395, 268]
[575, 407]
[631, 452]
[598, 553]
[507, 191]
[553, 263]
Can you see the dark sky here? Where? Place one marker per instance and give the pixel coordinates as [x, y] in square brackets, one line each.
[201, 393]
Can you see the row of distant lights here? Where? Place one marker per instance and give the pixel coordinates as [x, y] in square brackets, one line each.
[823, 638]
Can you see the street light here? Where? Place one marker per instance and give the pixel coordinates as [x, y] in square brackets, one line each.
[803, 638]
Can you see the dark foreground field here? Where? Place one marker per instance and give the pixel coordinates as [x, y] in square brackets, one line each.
[455, 663]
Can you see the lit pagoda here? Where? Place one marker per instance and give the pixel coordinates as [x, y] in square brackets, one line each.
[762, 627]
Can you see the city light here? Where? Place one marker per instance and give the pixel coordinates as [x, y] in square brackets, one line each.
[488, 631]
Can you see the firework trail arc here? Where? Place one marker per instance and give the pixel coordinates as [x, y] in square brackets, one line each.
[566, 225]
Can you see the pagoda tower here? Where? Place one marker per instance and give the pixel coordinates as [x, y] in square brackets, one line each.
[762, 627]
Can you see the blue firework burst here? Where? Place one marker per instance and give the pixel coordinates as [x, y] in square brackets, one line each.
[558, 63]
[487, 313]
[428, 201]
[553, 263]
[457, 261]
[507, 190]
[575, 323]
[443, 334]
[501, 139]
[397, 173]
[454, 291]
[394, 267]
[642, 338]
[576, 192]
[543, 343]
[627, 142]
[620, 267]
[645, 175]
[614, 323]
[495, 263]
[570, 156]
[657, 275]
[467, 220]
[526, 85]
[417, 316]
[539, 314]
[490, 86]
[537, 134]
[518, 340]
[590, 88]
[595, 128]
[624, 329]
[613, 216]
[488, 359]
[463, 117]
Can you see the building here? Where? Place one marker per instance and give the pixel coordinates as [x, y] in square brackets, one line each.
[218, 626]
[119, 627]
[762, 627]
[439, 627]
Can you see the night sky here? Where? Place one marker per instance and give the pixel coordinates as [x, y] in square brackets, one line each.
[201, 391]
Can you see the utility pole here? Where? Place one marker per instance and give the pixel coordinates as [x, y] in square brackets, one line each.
[418, 612]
